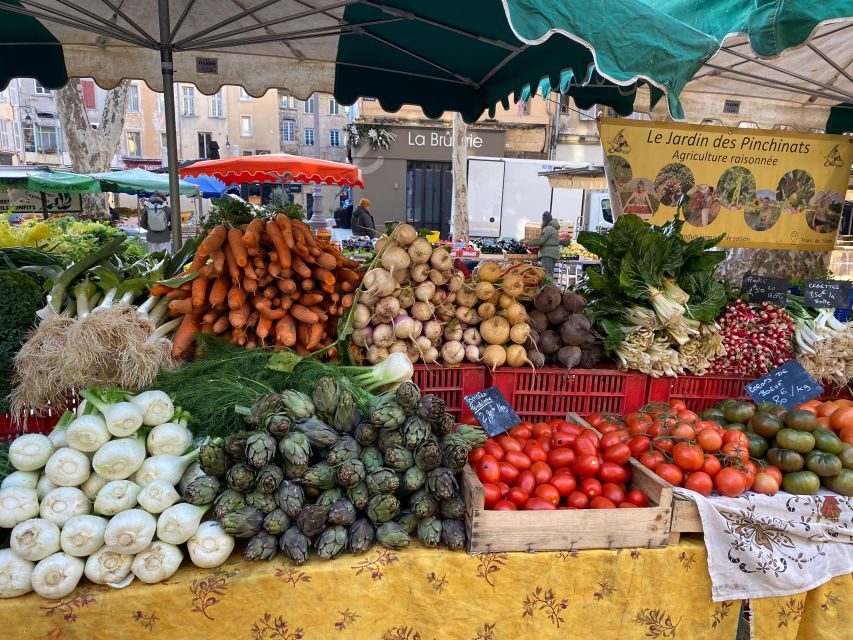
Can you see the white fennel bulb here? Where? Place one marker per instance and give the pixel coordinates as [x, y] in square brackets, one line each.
[157, 562]
[57, 437]
[170, 437]
[122, 418]
[30, 451]
[164, 467]
[119, 459]
[62, 504]
[16, 505]
[34, 539]
[107, 567]
[83, 535]
[193, 471]
[15, 574]
[44, 486]
[68, 467]
[94, 484]
[157, 496]
[56, 576]
[130, 531]
[156, 406]
[210, 546]
[81, 408]
[178, 523]
[26, 479]
[116, 496]
[87, 433]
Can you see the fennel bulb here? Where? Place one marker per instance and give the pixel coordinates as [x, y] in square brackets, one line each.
[15, 574]
[68, 467]
[122, 418]
[57, 437]
[170, 437]
[44, 486]
[193, 471]
[164, 467]
[156, 406]
[87, 433]
[30, 451]
[116, 496]
[62, 504]
[158, 562]
[93, 485]
[119, 459]
[178, 523]
[56, 576]
[157, 496]
[34, 539]
[130, 531]
[83, 535]
[26, 479]
[16, 505]
[210, 546]
[107, 567]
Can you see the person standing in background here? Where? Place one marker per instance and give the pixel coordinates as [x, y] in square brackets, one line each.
[362, 221]
[548, 243]
[156, 219]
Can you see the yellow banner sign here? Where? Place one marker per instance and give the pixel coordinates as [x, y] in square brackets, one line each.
[764, 189]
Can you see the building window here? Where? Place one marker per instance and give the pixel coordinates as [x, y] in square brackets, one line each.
[588, 114]
[216, 108]
[308, 105]
[288, 131]
[188, 94]
[747, 124]
[48, 139]
[286, 102]
[813, 130]
[783, 127]
[731, 106]
[16, 133]
[41, 90]
[309, 137]
[4, 133]
[247, 153]
[639, 115]
[334, 107]
[29, 136]
[133, 98]
[161, 103]
[134, 144]
[246, 126]
[204, 140]
[163, 142]
[429, 187]
[335, 138]
[245, 97]
[713, 121]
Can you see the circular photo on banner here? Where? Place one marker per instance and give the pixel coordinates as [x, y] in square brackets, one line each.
[672, 182]
[620, 170]
[824, 211]
[638, 197]
[763, 212]
[701, 206]
[795, 191]
[736, 188]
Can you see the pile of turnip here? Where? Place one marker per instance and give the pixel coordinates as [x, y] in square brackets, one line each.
[414, 302]
[560, 331]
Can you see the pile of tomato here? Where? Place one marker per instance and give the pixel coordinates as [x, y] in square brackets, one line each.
[555, 465]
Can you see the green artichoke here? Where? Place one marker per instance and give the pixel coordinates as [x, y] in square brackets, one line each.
[344, 449]
[453, 508]
[444, 425]
[277, 522]
[326, 397]
[268, 478]
[295, 448]
[213, 459]
[388, 439]
[243, 522]
[330, 497]
[455, 457]
[350, 473]
[278, 425]
[241, 477]
[382, 481]
[372, 458]
[320, 476]
[359, 495]
[382, 508]
[297, 405]
[453, 534]
[202, 490]
[311, 520]
[295, 545]
[342, 512]
[235, 445]
[399, 458]
[366, 433]
[361, 534]
[389, 415]
[319, 434]
[431, 408]
[414, 479]
[407, 396]
[260, 449]
[263, 406]
[263, 501]
[392, 536]
[290, 498]
[429, 531]
[262, 546]
[415, 431]
[474, 436]
[227, 501]
[294, 471]
[428, 455]
[442, 483]
[332, 542]
[423, 504]
[347, 415]
[409, 521]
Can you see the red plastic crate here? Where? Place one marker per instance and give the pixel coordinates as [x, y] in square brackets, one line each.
[9, 429]
[552, 392]
[451, 384]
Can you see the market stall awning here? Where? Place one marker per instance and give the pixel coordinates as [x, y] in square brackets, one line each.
[139, 180]
[210, 187]
[275, 168]
[49, 181]
[587, 177]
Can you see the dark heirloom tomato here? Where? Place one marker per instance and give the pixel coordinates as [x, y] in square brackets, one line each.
[826, 440]
[757, 445]
[801, 420]
[842, 484]
[765, 424]
[799, 441]
[785, 459]
[801, 483]
[823, 464]
[846, 456]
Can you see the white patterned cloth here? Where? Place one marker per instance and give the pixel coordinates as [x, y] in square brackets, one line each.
[762, 546]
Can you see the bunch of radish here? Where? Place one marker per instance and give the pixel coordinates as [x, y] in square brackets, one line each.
[757, 338]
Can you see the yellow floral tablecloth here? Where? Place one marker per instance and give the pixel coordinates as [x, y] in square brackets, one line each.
[425, 594]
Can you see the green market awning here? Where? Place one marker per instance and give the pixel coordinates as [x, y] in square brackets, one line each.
[49, 182]
[140, 181]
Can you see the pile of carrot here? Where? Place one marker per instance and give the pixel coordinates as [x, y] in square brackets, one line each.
[268, 283]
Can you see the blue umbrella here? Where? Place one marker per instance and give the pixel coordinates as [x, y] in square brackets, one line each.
[209, 186]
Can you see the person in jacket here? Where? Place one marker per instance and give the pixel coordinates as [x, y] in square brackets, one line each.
[156, 219]
[548, 243]
[362, 221]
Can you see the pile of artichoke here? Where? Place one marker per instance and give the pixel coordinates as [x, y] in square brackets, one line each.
[314, 472]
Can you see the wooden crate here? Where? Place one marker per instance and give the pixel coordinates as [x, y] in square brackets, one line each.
[685, 518]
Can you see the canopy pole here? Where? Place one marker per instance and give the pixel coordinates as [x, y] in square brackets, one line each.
[168, 71]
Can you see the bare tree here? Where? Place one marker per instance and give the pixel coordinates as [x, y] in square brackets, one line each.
[460, 180]
[771, 262]
[91, 150]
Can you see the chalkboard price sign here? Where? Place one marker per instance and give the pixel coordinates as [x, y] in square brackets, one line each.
[827, 294]
[788, 386]
[492, 410]
[765, 289]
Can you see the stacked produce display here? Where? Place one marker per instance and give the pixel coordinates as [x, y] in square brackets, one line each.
[756, 339]
[561, 332]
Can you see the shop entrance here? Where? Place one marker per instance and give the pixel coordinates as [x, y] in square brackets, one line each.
[429, 193]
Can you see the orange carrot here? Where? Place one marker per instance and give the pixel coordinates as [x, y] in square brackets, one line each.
[235, 241]
[309, 299]
[274, 269]
[286, 227]
[285, 331]
[286, 303]
[301, 250]
[210, 317]
[286, 286]
[221, 325]
[184, 336]
[250, 285]
[302, 314]
[308, 285]
[177, 294]
[301, 228]
[347, 275]
[218, 257]
[236, 298]
[238, 336]
[302, 334]
[347, 300]
[214, 240]
[327, 261]
[249, 272]
[160, 290]
[231, 264]
[252, 237]
[315, 333]
[323, 275]
[218, 291]
[264, 326]
[197, 262]
[300, 267]
[270, 292]
[264, 307]
[180, 307]
[239, 317]
[281, 247]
